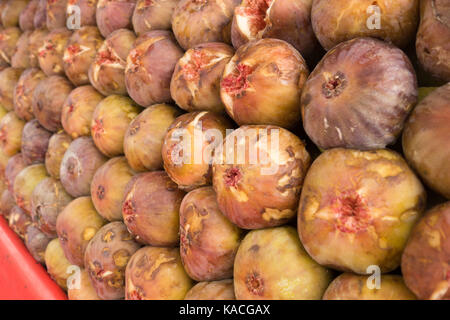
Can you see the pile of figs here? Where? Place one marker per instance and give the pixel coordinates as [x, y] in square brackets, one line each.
[229, 149]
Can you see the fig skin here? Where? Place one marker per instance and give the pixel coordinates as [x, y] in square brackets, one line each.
[86, 290]
[107, 72]
[35, 41]
[87, 11]
[350, 286]
[40, 17]
[151, 208]
[24, 184]
[23, 92]
[344, 20]
[77, 111]
[195, 22]
[57, 147]
[11, 133]
[153, 15]
[47, 201]
[191, 169]
[11, 12]
[212, 290]
[76, 225]
[36, 242]
[357, 209]
[15, 164]
[8, 80]
[35, 140]
[51, 53]
[112, 15]
[359, 96]
[56, 14]
[19, 221]
[110, 122]
[209, 241]
[271, 264]
[150, 66]
[108, 187]
[57, 263]
[26, 17]
[48, 100]
[6, 203]
[242, 186]
[145, 136]
[21, 56]
[8, 43]
[106, 258]
[195, 84]
[167, 280]
[426, 140]
[79, 164]
[425, 259]
[80, 52]
[262, 83]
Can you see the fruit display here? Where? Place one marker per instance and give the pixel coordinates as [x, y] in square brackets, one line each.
[11, 127]
[153, 15]
[51, 53]
[11, 12]
[8, 80]
[21, 56]
[57, 146]
[26, 17]
[24, 184]
[6, 203]
[8, 41]
[56, 14]
[112, 15]
[40, 17]
[36, 242]
[56, 263]
[19, 221]
[23, 92]
[35, 140]
[212, 290]
[15, 164]
[85, 291]
[35, 41]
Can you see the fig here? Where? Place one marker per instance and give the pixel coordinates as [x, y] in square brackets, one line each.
[11, 12]
[77, 111]
[26, 17]
[21, 56]
[345, 20]
[24, 184]
[57, 147]
[36, 242]
[359, 96]
[79, 164]
[426, 140]
[209, 241]
[80, 53]
[40, 17]
[156, 274]
[425, 259]
[272, 264]
[267, 158]
[151, 208]
[57, 265]
[349, 286]
[153, 15]
[112, 15]
[199, 21]
[107, 72]
[19, 221]
[51, 53]
[145, 136]
[189, 146]
[76, 225]
[48, 100]
[195, 84]
[357, 209]
[11, 133]
[3, 112]
[87, 11]
[8, 80]
[85, 290]
[35, 141]
[23, 92]
[3, 4]
[106, 258]
[212, 290]
[8, 42]
[35, 41]
[110, 121]
[56, 14]
[150, 66]
[108, 187]
[262, 83]
[15, 164]
[47, 201]
[6, 203]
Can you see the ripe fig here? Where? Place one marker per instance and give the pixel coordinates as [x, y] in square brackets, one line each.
[76, 225]
[8, 42]
[425, 259]
[107, 72]
[153, 15]
[156, 274]
[213, 290]
[3, 112]
[342, 20]
[11, 133]
[262, 83]
[51, 52]
[35, 41]
[106, 258]
[35, 141]
[151, 208]
[150, 66]
[82, 290]
[77, 111]
[57, 147]
[108, 187]
[87, 11]
[110, 121]
[272, 264]
[23, 92]
[426, 140]
[21, 56]
[189, 146]
[79, 164]
[56, 14]
[80, 53]
[199, 21]
[47, 201]
[36, 242]
[57, 263]
[15, 164]
[8, 80]
[26, 17]
[6, 203]
[357, 209]
[24, 184]
[242, 181]
[195, 84]
[209, 241]
[112, 15]
[11, 12]
[145, 136]
[40, 17]
[19, 221]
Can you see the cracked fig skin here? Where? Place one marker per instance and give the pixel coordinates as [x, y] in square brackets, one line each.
[357, 209]
[153, 15]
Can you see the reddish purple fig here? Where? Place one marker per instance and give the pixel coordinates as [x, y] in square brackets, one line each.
[153, 15]
[6, 203]
[36, 242]
[87, 11]
[11, 12]
[24, 90]
[51, 52]
[35, 141]
[11, 133]
[26, 18]
[21, 56]
[19, 221]
[35, 41]
[112, 15]
[212, 290]
[8, 42]
[40, 17]
[8, 80]
[84, 290]
[57, 146]
[56, 14]
[57, 264]
[24, 184]
[15, 164]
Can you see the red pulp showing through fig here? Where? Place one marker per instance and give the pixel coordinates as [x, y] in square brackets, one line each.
[232, 177]
[334, 86]
[197, 61]
[235, 83]
[97, 128]
[255, 284]
[256, 12]
[352, 213]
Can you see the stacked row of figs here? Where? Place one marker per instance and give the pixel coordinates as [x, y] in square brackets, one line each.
[95, 174]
